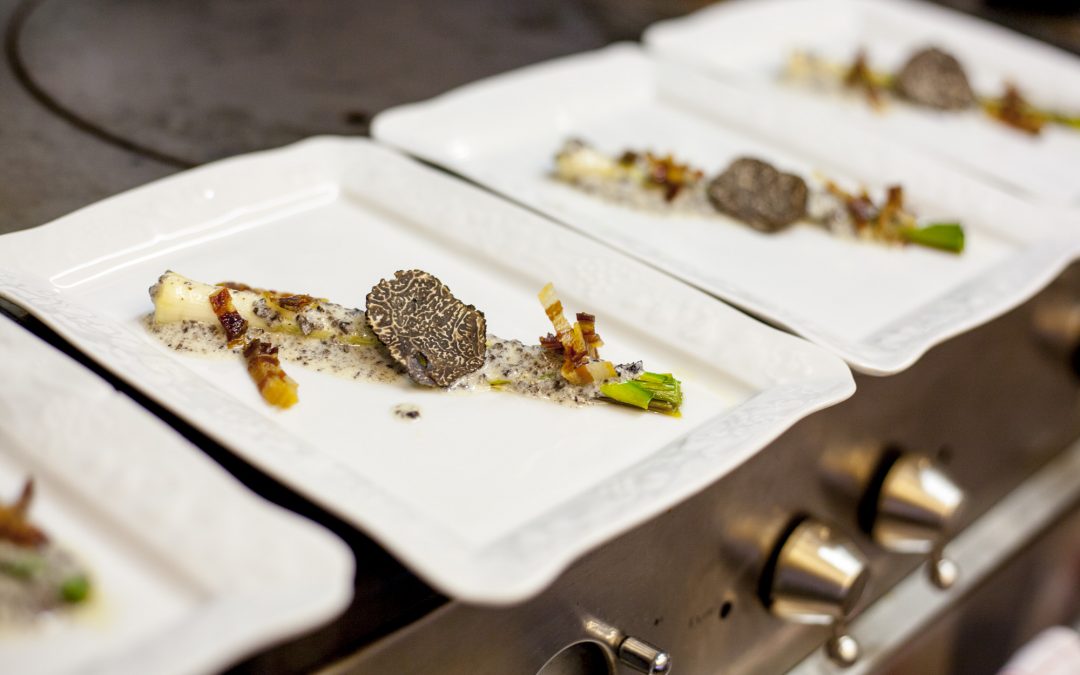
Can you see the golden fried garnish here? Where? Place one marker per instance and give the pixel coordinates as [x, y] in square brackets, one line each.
[14, 526]
[578, 343]
[276, 388]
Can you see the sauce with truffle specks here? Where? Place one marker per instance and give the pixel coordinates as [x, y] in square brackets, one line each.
[509, 365]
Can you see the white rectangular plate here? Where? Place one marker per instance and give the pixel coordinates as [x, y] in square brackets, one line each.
[487, 495]
[878, 307]
[750, 42]
[190, 571]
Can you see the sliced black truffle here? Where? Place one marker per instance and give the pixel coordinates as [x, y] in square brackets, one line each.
[759, 195]
[434, 335]
[934, 78]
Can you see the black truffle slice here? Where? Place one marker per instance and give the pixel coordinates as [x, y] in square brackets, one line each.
[434, 335]
[756, 193]
[934, 78]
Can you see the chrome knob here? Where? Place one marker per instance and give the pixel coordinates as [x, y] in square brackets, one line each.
[916, 511]
[816, 576]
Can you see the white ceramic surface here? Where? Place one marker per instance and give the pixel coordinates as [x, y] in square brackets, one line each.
[878, 307]
[749, 42]
[488, 495]
[190, 571]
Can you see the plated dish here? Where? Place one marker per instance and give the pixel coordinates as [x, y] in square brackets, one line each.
[931, 78]
[414, 329]
[124, 550]
[878, 306]
[750, 191]
[37, 575]
[488, 494]
[910, 51]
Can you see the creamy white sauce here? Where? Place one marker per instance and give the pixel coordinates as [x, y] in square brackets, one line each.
[407, 412]
[690, 200]
[24, 597]
[509, 365]
[593, 173]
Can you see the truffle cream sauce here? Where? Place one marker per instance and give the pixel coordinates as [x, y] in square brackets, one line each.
[823, 207]
[509, 365]
[24, 597]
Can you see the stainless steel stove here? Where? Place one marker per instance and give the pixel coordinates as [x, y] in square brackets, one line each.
[103, 95]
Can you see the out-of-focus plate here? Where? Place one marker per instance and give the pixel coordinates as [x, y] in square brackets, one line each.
[878, 307]
[190, 571]
[749, 43]
[487, 495]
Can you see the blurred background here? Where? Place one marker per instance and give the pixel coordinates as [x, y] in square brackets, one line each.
[98, 96]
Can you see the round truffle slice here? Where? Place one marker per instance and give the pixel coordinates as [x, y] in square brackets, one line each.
[759, 195]
[434, 335]
[934, 78]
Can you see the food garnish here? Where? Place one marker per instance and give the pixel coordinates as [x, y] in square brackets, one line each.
[659, 180]
[649, 391]
[35, 574]
[758, 194]
[934, 78]
[14, 526]
[276, 388]
[578, 344]
[889, 221]
[931, 77]
[859, 76]
[234, 325]
[437, 337]
[417, 328]
[1014, 110]
[177, 298]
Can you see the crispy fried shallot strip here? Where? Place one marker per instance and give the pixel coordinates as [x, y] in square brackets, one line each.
[860, 77]
[578, 343]
[14, 527]
[293, 302]
[235, 325]
[1014, 110]
[274, 385]
[588, 330]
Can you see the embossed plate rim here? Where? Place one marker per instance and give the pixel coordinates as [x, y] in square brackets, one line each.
[166, 495]
[444, 129]
[794, 377]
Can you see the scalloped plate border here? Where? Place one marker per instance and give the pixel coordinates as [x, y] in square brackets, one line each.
[795, 377]
[176, 486]
[437, 130]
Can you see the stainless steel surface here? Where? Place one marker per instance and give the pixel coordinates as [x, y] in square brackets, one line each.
[916, 511]
[917, 506]
[816, 578]
[991, 406]
[1022, 562]
[843, 650]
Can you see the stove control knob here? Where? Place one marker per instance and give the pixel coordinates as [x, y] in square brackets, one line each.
[916, 510]
[816, 576]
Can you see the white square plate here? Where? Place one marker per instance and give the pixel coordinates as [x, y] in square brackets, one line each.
[878, 307]
[749, 42]
[189, 570]
[487, 495]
